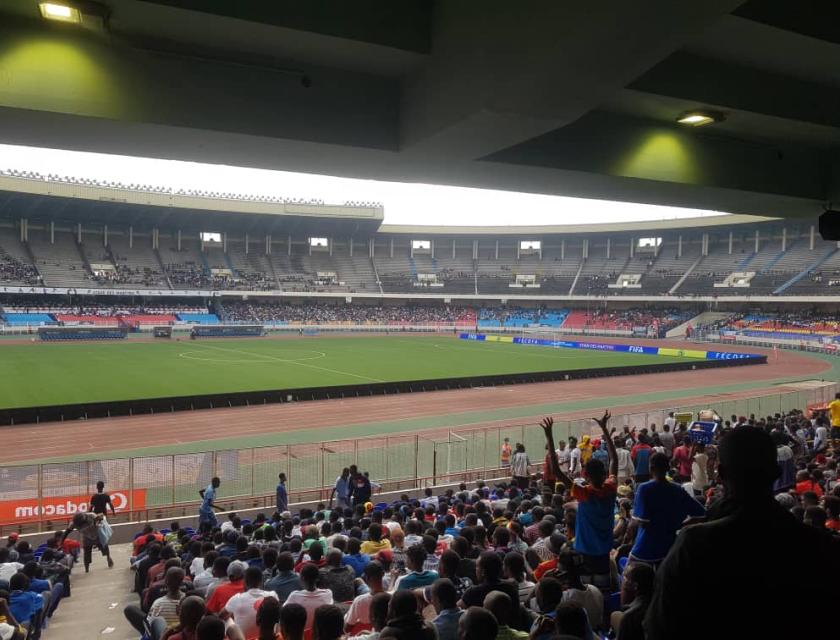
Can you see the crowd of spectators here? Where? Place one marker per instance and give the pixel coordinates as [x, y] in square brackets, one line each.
[623, 533]
[14, 305]
[809, 321]
[323, 313]
[628, 319]
[17, 271]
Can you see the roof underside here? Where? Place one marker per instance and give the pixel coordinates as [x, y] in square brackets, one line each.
[569, 98]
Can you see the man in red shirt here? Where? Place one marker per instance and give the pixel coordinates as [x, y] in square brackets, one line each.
[225, 591]
[682, 462]
[804, 482]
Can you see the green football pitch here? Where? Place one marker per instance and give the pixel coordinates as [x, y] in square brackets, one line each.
[41, 374]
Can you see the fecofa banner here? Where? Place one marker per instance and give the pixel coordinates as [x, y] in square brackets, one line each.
[616, 348]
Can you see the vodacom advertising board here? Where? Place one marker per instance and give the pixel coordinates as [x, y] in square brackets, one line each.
[61, 507]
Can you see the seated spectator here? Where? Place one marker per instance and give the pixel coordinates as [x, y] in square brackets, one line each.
[226, 590]
[243, 606]
[163, 614]
[285, 580]
[328, 623]
[293, 619]
[357, 618]
[27, 607]
[636, 591]
[444, 598]
[502, 608]
[267, 619]
[417, 576]
[310, 597]
[477, 624]
[338, 578]
[571, 622]
[404, 621]
[489, 575]
[379, 606]
[190, 613]
[375, 542]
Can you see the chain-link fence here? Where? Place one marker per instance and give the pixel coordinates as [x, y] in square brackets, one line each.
[54, 491]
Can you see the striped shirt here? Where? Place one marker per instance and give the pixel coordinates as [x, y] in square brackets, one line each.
[166, 608]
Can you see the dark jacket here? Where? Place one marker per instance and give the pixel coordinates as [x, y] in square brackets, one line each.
[411, 627]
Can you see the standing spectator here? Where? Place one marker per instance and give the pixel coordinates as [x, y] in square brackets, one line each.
[282, 494]
[699, 468]
[563, 457]
[575, 466]
[361, 489]
[682, 461]
[519, 464]
[206, 515]
[640, 454]
[667, 438]
[626, 469]
[341, 490]
[100, 501]
[661, 508]
[88, 525]
[507, 451]
[596, 507]
[834, 415]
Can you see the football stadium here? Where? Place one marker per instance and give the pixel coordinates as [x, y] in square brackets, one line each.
[227, 413]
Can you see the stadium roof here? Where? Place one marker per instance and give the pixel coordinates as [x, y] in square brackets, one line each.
[37, 197]
[570, 98]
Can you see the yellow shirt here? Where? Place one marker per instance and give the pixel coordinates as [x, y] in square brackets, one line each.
[834, 412]
[371, 548]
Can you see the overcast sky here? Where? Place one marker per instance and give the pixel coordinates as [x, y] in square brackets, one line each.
[405, 203]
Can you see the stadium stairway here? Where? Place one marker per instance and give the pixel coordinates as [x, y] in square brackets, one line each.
[95, 608]
[806, 272]
[743, 264]
[687, 273]
[774, 260]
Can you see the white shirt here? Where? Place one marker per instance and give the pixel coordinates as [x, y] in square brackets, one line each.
[563, 458]
[699, 471]
[8, 569]
[574, 457]
[671, 422]
[359, 611]
[243, 607]
[591, 599]
[626, 468]
[196, 566]
[820, 437]
[519, 464]
[310, 600]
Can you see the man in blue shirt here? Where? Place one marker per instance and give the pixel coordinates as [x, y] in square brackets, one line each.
[206, 515]
[25, 605]
[661, 508]
[445, 602]
[415, 558]
[282, 496]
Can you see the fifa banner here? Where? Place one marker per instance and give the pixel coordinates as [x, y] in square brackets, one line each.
[617, 348]
[64, 507]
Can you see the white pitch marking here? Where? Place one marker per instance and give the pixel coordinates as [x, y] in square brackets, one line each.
[300, 364]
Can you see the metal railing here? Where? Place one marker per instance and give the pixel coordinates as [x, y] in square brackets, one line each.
[39, 497]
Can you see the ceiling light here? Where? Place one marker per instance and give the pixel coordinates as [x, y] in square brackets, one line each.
[59, 12]
[699, 118]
